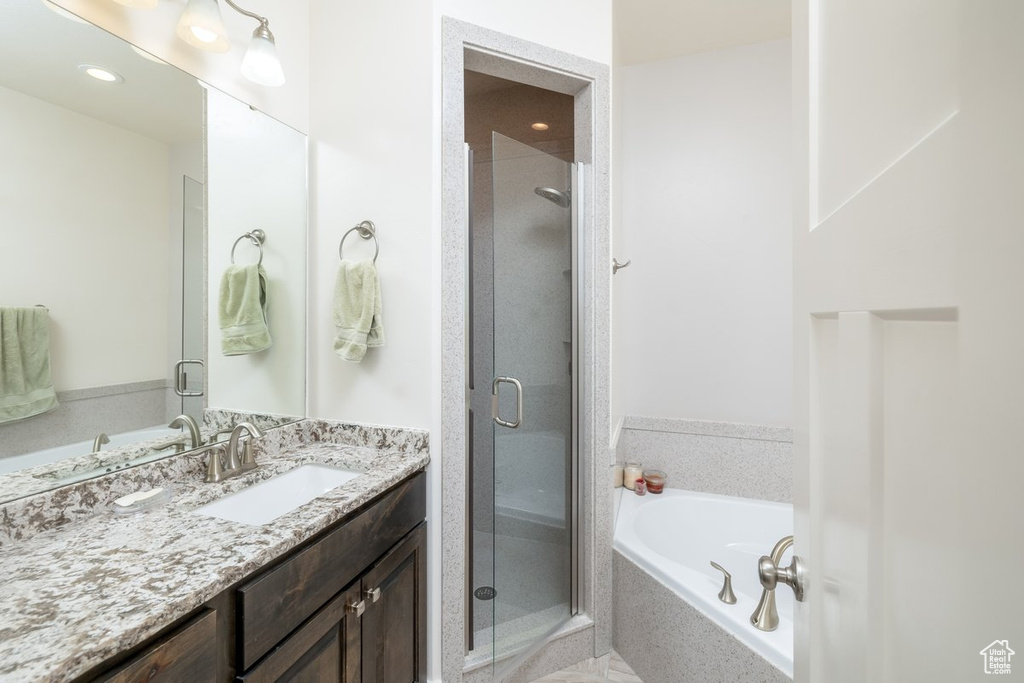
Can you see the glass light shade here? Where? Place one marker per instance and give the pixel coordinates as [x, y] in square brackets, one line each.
[201, 26]
[139, 4]
[260, 64]
[60, 11]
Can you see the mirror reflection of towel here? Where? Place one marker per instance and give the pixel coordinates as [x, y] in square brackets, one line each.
[357, 310]
[26, 388]
[243, 310]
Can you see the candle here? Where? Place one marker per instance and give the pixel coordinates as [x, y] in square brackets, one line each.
[617, 475]
[630, 473]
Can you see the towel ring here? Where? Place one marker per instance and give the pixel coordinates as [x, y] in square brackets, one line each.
[257, 237]
[366, 230]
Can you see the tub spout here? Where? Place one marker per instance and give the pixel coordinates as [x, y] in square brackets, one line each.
[766, 615]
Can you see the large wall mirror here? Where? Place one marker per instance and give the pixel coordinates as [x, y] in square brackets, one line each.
[127, 191]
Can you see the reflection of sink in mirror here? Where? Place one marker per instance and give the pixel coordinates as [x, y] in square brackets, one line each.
[74, 450]
[268, 500]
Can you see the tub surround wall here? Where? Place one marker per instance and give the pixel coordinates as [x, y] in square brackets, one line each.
[664, 638]
[749, 461]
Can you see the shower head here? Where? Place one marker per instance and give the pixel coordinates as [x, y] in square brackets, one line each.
[556, 196]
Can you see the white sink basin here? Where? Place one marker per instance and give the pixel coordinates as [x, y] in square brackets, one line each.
[268, 500]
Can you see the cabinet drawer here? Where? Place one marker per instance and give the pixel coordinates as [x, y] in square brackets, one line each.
[188, 654]
[272, 606]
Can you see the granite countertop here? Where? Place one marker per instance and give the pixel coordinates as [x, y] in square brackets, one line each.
[76, 595]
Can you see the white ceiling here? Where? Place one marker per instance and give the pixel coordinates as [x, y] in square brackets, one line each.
[648, 30]
[39, 56]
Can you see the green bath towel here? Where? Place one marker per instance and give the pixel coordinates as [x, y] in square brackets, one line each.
[357, 313]
[243, 311]
[26, 388]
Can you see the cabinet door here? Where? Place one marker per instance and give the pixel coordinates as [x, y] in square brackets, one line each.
[394, 638]
[323, 650]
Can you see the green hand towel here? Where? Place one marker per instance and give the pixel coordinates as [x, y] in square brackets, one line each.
[26, 388]
[243, 311]
[357, 311]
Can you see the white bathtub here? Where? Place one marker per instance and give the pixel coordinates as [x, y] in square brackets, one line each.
[15, 463]
[674, 536]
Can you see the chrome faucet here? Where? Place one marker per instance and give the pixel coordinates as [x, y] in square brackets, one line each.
[98, 442]
[216, 470]
[766, 615]
[193, 428]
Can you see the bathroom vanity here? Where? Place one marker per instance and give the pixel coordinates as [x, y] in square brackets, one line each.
[333, 590]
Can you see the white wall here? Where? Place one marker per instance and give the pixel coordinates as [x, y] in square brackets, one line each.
[256, 179]
[579, 27]
[154, 31]
[71, 253]
[703, 316]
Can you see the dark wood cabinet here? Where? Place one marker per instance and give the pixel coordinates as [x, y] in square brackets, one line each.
[349, 606]
[394, 633]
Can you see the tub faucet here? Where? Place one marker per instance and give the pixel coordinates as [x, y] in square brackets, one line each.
[98, 442]
[766, 615]
[193, 428]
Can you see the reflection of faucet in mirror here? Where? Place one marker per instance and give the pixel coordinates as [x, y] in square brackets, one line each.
[193, 428]
[221, 432]
[98, 442]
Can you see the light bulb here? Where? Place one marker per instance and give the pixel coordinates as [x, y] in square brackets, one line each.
[260, 64]
[138, 4]
[201, 26]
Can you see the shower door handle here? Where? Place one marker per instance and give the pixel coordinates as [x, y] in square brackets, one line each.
[519, 402]
[181, 377]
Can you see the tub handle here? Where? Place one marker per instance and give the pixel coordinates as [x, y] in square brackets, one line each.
[725, 595]
[519, 402]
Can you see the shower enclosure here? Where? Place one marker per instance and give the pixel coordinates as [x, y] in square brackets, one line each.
[523, 402]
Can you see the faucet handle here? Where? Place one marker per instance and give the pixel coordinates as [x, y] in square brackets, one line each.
[214, 468]
[772, 575]
[725, 595]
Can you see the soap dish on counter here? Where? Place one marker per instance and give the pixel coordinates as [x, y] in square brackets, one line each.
[141, 501]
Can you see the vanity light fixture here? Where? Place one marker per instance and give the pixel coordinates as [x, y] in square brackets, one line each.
[101, 74]
[63, 12]
[201, 26]
[145, 55]
[539, 126]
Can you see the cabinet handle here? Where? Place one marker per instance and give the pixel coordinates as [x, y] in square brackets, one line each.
[356, 608]
[372, 594]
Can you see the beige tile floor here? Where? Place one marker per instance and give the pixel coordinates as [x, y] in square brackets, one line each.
[607, 668]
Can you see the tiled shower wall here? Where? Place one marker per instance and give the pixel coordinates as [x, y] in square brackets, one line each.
[748, 461]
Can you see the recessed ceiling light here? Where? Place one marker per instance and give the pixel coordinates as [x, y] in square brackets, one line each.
[101, 74]
[539, 126]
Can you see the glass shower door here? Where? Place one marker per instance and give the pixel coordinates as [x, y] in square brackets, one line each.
[532, 395]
